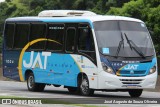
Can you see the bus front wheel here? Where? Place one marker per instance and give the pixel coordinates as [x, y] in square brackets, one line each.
[84, 87]
[135, 92]
[32, 86]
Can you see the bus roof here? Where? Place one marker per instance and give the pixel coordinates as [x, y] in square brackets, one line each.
[72, 19]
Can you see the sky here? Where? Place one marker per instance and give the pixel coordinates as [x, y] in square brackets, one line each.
[2, 0]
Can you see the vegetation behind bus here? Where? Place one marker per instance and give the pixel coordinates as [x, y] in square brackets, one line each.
[146, 10]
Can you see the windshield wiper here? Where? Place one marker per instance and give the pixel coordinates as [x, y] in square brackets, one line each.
[120, 44]
[132, 45]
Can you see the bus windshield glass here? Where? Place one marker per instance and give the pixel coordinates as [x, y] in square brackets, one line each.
[123, 38]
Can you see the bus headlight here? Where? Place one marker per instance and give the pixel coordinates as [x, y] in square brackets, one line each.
[152, 70]
[107, 68]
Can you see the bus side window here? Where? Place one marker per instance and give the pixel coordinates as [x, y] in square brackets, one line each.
[55, 33]
[85, 40]
[21, 35]
[71, 33]
[38, 31]
[9, 35]
[86, 43]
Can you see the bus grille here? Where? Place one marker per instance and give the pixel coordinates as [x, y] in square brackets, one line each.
[133, 73]
[131, 81]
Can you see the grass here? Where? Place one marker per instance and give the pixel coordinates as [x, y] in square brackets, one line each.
[51, 101]
[87, 105]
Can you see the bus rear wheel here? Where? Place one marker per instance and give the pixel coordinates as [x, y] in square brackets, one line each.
[84, 87]
[135, 92]
[32, 86]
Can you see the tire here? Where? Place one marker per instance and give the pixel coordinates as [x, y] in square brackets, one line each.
[32, 86]
[135, 92]
[84, 87]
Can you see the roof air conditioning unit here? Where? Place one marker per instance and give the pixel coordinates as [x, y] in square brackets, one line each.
[65, 13]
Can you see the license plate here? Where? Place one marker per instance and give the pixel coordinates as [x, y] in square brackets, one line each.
[132, 86]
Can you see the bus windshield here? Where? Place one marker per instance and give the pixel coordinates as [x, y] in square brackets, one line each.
[123, 39]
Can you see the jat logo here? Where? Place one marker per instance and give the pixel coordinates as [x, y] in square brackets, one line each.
[131, 67]
[37, 62]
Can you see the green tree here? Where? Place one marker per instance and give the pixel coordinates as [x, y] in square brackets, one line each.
[35, 11]
[3, 15]
[11, 9]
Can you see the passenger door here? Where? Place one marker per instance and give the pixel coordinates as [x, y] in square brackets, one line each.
[87, 54]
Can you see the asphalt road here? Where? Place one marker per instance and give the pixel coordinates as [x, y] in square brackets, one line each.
[11, 88]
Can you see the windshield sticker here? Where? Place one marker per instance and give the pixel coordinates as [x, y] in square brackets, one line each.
[105, 50]
[142, 24]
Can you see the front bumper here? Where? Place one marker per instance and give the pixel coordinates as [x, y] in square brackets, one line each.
[109, 81]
